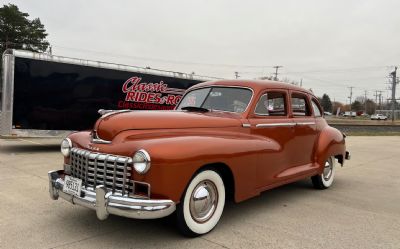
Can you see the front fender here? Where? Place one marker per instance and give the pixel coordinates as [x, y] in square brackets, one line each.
[331, 142]
[175, 159]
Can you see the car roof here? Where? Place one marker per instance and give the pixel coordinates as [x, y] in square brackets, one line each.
[256, 85]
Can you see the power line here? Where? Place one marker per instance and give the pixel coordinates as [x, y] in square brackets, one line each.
[337, 70]
[340, 70]
[149, 58]
[169, 61]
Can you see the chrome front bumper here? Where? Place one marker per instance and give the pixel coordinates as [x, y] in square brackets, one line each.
[105, 203]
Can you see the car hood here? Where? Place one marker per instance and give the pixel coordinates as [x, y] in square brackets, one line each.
[109, 126]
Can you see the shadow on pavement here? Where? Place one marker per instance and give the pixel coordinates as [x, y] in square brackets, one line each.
[124, 231]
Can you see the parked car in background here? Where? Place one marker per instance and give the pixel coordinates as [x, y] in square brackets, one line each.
[225, 139]
[378, 117]
[350, 114]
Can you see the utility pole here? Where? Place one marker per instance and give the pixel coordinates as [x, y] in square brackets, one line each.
[394, 83]
[380, 99]
[276, 71]
[237, 75]
[350, 97]
[365, 101]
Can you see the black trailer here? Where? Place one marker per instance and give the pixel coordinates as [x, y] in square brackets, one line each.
[46, 95]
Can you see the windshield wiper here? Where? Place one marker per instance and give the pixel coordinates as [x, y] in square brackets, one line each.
[194, 109]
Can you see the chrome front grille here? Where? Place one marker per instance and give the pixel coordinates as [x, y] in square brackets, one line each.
[112, 171]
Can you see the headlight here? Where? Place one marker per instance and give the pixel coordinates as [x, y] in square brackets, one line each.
[66, 146]
[141, 161]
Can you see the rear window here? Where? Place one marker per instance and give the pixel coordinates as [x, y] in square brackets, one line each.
[300, 105]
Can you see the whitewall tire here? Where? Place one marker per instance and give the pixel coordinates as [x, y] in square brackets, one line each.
[325, 180]
[202, 204]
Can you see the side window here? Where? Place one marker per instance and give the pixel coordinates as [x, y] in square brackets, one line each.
[317, 111]
[299, 105]
[271, 104]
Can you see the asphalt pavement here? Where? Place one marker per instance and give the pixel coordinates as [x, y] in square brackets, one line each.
[361, 209]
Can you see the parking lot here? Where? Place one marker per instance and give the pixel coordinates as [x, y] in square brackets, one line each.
[361, 209]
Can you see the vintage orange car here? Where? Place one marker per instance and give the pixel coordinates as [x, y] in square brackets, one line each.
[225, 139]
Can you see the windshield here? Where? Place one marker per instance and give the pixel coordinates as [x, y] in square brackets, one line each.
[231, 99]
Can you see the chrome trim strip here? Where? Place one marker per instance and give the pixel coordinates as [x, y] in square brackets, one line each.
[105, 203]
[305, 123]
[246, 125]
[275, 125]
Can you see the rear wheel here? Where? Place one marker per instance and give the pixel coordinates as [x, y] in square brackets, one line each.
[325, 180]
[202, 204]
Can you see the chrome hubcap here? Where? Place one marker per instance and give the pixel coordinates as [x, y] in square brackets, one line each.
[328, 170]
[203, 201]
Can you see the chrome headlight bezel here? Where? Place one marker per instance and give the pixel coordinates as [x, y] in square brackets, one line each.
[141, 161]
[66, 146]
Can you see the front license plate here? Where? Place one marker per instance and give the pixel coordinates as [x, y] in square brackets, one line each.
[72, 185]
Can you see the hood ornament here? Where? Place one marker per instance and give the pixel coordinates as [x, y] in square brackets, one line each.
[96, 140]
[105, 113]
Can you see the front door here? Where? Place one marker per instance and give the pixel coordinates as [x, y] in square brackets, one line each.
[271, 122]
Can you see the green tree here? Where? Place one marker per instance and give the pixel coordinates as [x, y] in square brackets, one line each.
[357, 106]
[371, 107]
[17, 31]
[326, 103]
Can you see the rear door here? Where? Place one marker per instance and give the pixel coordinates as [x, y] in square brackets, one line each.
[305, 129]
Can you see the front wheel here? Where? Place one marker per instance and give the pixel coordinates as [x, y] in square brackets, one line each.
[202, 204]
[325, 180]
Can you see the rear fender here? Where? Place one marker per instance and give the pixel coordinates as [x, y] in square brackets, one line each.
[331, 142]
